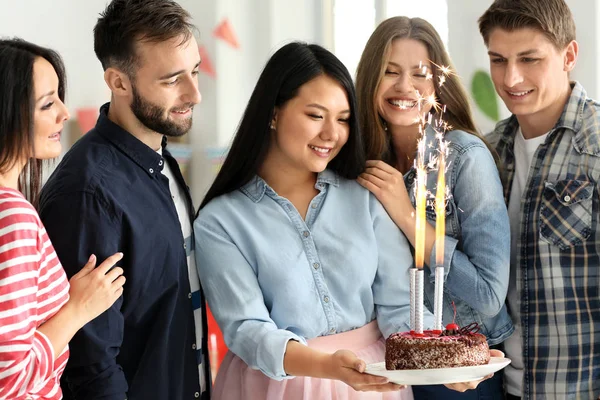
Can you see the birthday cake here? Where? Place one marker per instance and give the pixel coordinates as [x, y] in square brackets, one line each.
[453, 347]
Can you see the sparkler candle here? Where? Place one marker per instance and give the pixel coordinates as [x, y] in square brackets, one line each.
[440, 232]
[419, 301]
[413, 277]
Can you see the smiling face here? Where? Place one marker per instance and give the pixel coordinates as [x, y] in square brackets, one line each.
[311, 128]
[405, 78]
[49, 111]
[530, 74]
[165, 87]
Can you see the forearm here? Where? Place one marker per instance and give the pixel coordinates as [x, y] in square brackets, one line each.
[408, 225]
[61, 328]
[301, 360]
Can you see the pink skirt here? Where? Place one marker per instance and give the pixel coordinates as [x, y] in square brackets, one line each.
[236, 381]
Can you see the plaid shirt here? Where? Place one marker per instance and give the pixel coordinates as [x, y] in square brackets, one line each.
[558, 278]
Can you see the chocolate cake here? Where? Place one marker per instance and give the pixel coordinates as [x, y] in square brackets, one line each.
[434, 349]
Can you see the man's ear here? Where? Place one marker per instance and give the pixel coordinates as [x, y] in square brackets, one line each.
[571, 53]
[118, 82]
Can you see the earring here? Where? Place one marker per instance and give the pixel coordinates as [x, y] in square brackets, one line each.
[272, 127]
[385, 128]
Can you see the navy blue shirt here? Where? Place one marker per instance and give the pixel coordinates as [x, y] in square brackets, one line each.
[107, 195]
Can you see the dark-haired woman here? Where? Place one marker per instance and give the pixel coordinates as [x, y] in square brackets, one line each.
[300, 264]
[39, 311]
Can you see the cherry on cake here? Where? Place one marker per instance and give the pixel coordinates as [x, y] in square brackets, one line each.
[434, 349]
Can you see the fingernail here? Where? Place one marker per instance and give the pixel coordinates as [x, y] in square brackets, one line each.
[92, 257]
[120, 254]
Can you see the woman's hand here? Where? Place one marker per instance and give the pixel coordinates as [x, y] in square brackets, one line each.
[387, 184]
[346, 367]
[464, 386]
[94, 290]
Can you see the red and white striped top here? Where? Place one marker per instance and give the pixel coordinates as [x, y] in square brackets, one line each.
[33, 287]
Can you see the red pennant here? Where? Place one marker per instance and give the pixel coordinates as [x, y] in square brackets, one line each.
[86, 118]
[224, 31]
[206, 65]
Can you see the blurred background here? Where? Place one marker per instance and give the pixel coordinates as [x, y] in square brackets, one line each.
[238, 36]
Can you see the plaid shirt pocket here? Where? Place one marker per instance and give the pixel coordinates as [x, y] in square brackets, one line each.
[566, 212]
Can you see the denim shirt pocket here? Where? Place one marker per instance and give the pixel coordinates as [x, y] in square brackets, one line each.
[566, 212]
[451, 223]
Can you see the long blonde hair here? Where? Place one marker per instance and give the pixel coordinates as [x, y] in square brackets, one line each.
[371, 70]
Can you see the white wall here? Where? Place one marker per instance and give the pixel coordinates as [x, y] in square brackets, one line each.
[261, 27]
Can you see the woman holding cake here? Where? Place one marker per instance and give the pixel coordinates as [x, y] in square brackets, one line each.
[302, 267]
[401, 64]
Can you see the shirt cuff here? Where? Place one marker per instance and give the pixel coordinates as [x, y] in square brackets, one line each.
[271, 353]
[45, 354]
[450, 244]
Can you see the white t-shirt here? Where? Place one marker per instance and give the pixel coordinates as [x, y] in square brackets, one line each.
[524, 150]
[186, 229]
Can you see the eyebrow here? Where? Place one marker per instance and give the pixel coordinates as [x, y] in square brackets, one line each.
[50, 93]
[172, 74]
[320, 107]
[521, 54]
[413, 67]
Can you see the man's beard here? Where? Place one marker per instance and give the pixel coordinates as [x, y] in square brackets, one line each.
[151, 116]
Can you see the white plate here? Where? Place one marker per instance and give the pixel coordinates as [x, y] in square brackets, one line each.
[440, 375]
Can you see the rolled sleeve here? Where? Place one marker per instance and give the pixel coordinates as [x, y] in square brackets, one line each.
[80, 225]
[236, 301]
[391, 288]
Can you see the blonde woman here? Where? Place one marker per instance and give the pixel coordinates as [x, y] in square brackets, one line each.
[400, 62]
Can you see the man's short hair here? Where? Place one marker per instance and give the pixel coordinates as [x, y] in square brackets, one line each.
[551, 17]
[124, 23]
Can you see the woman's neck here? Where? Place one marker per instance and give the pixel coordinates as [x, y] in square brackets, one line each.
[285, 180]
[404, 143]
[10, 178]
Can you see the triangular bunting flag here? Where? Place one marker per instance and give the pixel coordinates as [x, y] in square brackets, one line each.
[206, 65]
[224, 31]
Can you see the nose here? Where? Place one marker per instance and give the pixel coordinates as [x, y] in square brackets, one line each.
[192, 94]
[403, 83]
[63, 113]
[330, 131]
[512, 75]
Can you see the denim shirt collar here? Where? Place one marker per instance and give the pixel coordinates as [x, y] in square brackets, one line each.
[147, 158]
[584, 141]
[257, 187]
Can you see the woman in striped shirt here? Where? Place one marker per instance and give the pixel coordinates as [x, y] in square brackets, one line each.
[40, 310]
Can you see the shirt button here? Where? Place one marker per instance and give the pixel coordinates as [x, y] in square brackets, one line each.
[567, 198]
[316, 265]
[151, 170]
[306, 233]
[194, 346]
[185, 246]
[326, 298]
[332, 330]
[314, 205]
[160, 163]
[189, 295]
[196, 395]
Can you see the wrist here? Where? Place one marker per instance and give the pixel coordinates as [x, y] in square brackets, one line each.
[74, 313]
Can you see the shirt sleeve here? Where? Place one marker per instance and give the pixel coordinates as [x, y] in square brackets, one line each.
[79, 225]
[26, 355]
[478, 271]
[236, 301]
[391, 287]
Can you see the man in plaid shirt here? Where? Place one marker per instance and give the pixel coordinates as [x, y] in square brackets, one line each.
[550, 165]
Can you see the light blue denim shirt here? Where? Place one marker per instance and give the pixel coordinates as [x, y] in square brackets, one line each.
[477, 242]
[271, 276]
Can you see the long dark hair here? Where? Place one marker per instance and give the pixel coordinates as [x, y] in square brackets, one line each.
[17, 110]
[287, 70]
